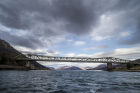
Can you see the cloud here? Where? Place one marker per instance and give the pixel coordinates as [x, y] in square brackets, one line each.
[130, 20]
[69, 40]
[134, 39]
[118, 20]
[79, 43]
[109, 26]
[52, 18]
[124, 34]
[40, 51]
[70, 55]
[125, 53]
[29, 42]
[96, 48]
[45, 22]
[41, 24]
[76, 15]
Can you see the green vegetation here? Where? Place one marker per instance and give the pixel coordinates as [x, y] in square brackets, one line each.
[129, 67]
[6, 60]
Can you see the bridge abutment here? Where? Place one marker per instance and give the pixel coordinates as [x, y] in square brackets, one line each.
[109, 66]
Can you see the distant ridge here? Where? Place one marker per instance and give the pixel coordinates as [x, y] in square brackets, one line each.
[69, 68]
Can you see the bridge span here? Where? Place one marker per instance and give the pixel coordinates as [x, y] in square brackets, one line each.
[108, 60]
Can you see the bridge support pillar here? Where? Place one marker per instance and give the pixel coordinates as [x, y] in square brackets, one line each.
[28, 64]
[109, 66]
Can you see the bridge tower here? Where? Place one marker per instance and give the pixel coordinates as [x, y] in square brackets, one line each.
[109, 66]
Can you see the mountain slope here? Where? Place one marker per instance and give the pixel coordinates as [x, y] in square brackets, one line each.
[7, 54]
[69, 68]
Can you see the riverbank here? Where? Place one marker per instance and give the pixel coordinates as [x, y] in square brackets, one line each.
[132, 69]
[127, 70]
[8, 61]
[10, 67]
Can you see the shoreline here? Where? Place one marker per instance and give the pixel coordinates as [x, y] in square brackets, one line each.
[10, 67]
[127, 70]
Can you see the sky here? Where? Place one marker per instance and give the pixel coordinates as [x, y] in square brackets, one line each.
[87, 28]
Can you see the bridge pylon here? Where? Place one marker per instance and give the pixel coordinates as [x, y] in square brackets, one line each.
[109, 66]
[28, 65]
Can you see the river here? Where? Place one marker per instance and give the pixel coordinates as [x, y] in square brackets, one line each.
[43, 81]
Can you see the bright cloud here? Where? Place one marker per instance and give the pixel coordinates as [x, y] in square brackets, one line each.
[96, 48]
[133, 52]
[126, 53]
[124, 34]
[79, 43]
[106, 28]
[70, 55]
[45, 52]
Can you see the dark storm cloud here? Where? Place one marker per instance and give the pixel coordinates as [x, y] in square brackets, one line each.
[75, 16]
[135, 38]
[78, 17]
[21, 41]
[11, 18]
[131, 19]
[47, 18]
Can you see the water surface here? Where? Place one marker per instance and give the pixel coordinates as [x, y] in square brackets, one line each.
[39, 81]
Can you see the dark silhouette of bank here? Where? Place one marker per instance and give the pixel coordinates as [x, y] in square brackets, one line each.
[7, 61]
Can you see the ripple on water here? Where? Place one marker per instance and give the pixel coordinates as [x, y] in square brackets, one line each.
[58, 91]
[69, 82]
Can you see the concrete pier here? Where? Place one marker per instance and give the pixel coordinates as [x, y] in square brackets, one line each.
[28, 64]
[109, 66]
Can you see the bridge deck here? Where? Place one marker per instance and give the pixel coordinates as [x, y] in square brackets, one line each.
[30, 57]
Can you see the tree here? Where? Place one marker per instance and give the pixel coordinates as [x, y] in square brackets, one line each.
[129, 65]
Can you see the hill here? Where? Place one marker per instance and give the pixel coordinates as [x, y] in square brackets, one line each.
[69, 68]
[137, 60]
[7, 61]
[104, 67]
[87, 68]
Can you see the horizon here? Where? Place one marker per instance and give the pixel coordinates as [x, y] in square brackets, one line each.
[74, 28]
